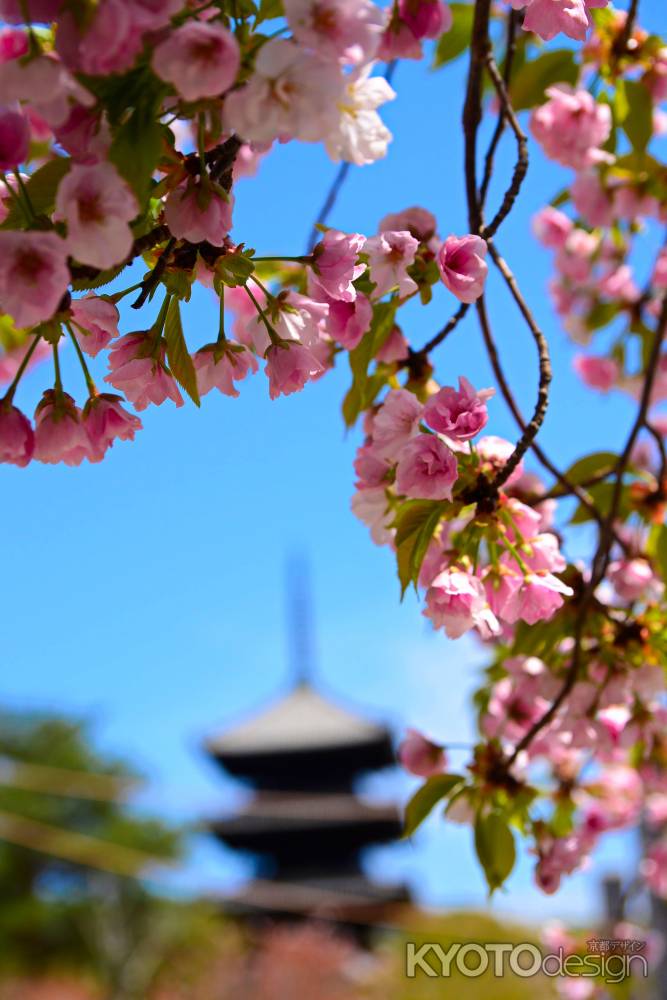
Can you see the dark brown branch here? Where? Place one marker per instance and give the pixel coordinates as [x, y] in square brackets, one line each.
[660, 442]
[472, 110]
[510, 51]
[531, 429]
[621, 44]
[601, 558]
[521, 165]
[452, 322]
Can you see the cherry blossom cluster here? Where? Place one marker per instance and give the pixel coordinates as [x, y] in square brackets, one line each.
[124, 129]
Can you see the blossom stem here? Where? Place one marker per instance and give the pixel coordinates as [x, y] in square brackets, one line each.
[275, 339]
[9, 395]
[90, 385]
[24, 191]
[221, 327]
[56, 364]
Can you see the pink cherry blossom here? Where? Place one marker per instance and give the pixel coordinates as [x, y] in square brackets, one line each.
[108, 43]
[14, 138]
[427, 469]
[220, 365]
[571, 126]
[547, 18]
[346, 30]
[335, 265]
[462, 266]
[359, 135]
[85, 135]
[552, 227]
[44, 83]
[200, 58]
[33, 275]
[537, 598]
[597, 373]
[96, 321]
[138, 370]
[372, 508]
[425, 18]
[292, 93]
[196, 214]
[97, 206]
[349, 321]
[389, 256]
[39, 10]
[289, 368]
[369, 467]
[105, 421]
[395, 348]
[458, 414]
[494, 452]
[17, 439]
[421, 756]
[396, 422]
[456, 601]
[659, 278]
[654, 868]
[419, 222]
[60, 435]
[591, 199]
[634, 580]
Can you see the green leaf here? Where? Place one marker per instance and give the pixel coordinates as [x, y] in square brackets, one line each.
[434, 789]
[601, 494]
[528, 87]
[590, 466]
[269, 9]
[638, 123]
[234, 269]
[42, 187]
[456, 40]
[136, 149]
[415, 525]
[494, 844]
[657, 548]
[103, 278]
[178, 355]
[602, 314]
[382, 324]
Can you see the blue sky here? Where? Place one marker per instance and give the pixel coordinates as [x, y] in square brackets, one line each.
[148, 592]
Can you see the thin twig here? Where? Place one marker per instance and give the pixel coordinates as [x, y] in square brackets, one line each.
[510, 51]
[531, 429]
[521, 165]
[446, 330]
[601, 558]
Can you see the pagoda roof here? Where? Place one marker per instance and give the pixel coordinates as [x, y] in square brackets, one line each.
[302, 721]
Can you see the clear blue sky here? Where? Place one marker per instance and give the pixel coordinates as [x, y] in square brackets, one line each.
[148, 592]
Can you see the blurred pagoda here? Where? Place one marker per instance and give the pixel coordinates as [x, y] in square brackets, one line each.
[304, 824]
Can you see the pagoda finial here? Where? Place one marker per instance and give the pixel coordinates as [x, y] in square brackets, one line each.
[299, 618]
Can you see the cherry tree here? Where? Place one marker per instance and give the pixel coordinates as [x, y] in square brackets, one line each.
[124, 127]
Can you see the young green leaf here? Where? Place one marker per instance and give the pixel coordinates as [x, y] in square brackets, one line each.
[178, 355]
[434, 789]
[494, 844]
[455, 41]
[528, 87]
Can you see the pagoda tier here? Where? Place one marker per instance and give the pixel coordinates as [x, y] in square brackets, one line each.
[304, 824]
[303, 742]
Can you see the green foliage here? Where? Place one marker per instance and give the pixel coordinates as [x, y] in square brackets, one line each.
[529, 84]
[657, 548]
[638, 122]
[591, 466]
[233, 269]
[180, 362]
[42, 187]
[494, 845]
[455, 41]
[359, 398]
[415, 525]
[434, 790]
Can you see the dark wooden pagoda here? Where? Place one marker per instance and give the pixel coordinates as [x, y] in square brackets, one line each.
[304, 824]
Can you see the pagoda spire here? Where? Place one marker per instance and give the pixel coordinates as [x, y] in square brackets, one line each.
[300, 632]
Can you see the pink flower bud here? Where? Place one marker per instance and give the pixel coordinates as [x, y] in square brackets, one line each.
[462, 266]
[14, 139]
[461, 414]
[420, 756]
[17, 439]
